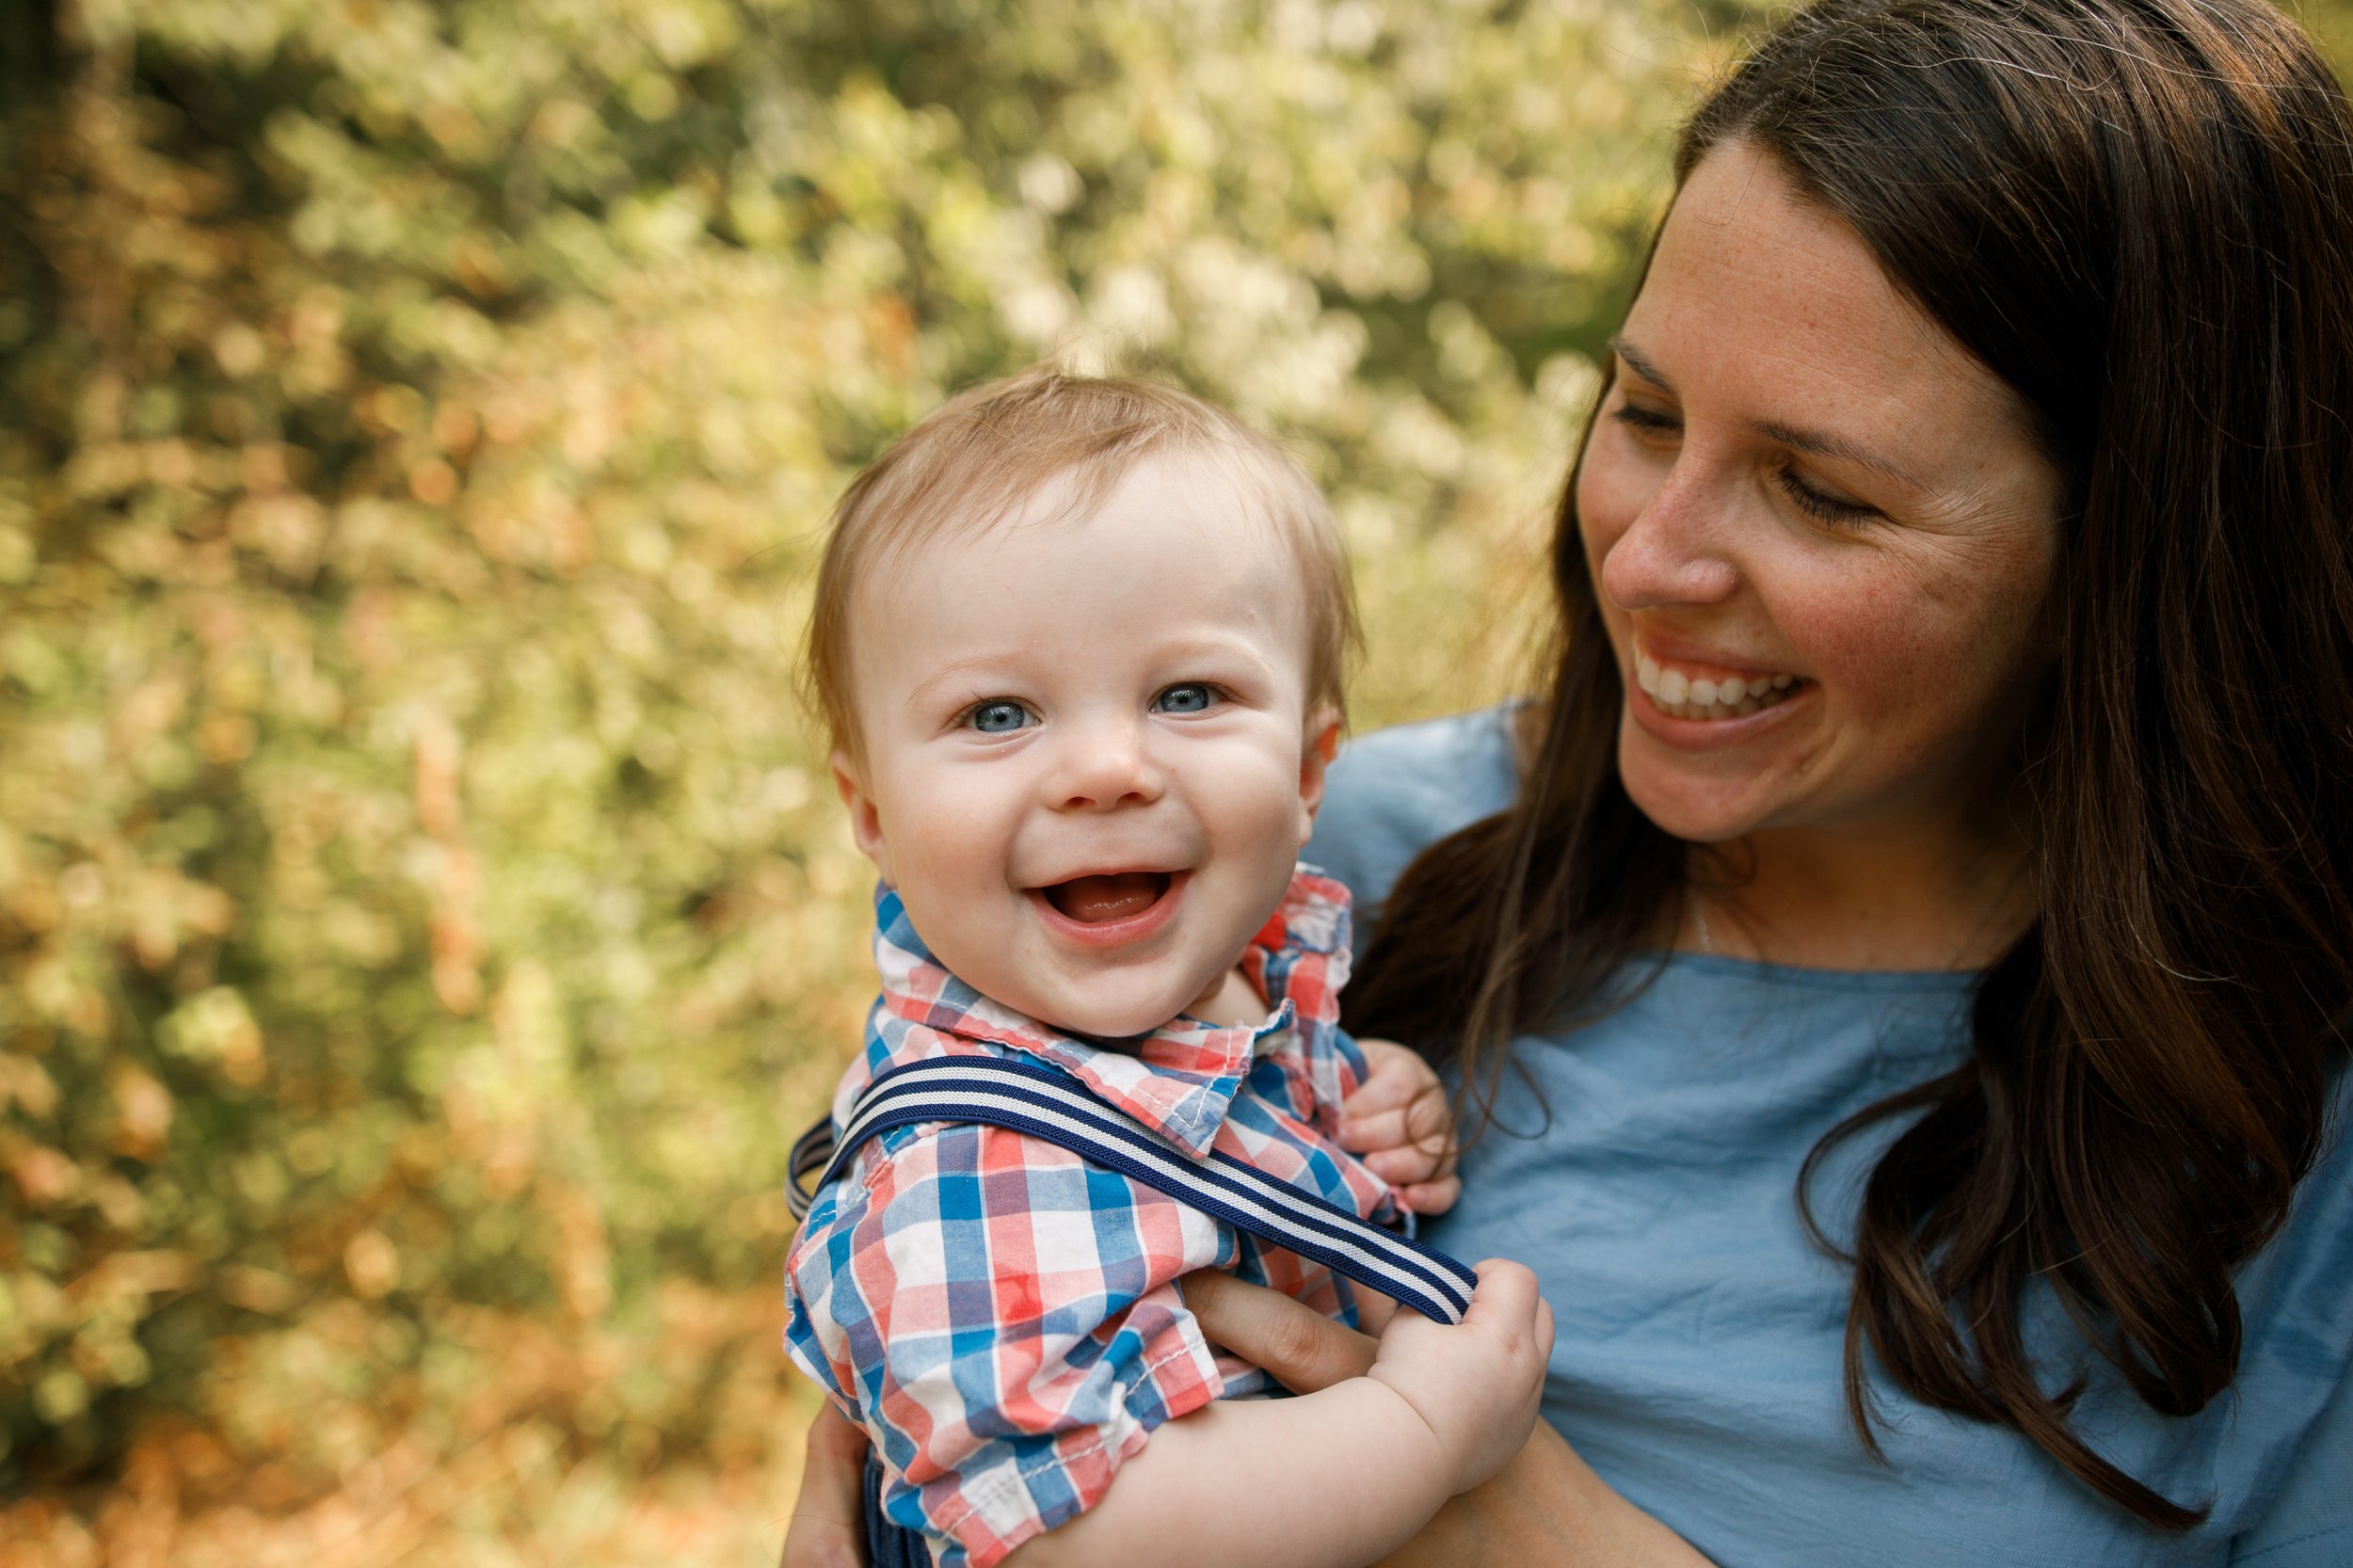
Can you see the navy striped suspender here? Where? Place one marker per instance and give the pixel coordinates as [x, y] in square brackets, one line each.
[1036, 1100]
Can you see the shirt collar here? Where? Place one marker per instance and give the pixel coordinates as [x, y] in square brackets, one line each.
[1179, 1078]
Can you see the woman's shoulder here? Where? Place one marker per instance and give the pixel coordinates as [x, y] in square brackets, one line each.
[1395, 791]
[2297, 1293]
[2276, 1448]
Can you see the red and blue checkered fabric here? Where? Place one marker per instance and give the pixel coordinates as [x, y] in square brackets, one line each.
[1003, 1319]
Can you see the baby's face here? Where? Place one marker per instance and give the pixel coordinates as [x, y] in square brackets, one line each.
[1088, 761]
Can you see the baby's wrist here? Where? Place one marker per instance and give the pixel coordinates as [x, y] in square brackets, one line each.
[1445, 1455]
[1417, 1453]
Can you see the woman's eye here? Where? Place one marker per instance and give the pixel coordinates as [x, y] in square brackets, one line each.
[997, 717]
[1192, 696]
[1646, 422]
[1823, 508]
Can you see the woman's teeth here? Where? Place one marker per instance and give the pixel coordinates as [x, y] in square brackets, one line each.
[1685, 697]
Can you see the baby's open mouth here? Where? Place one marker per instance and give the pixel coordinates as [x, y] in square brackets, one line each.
[1095, 900]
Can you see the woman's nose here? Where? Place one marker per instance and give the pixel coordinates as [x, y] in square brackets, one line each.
[1104, 764]
[1673, 552]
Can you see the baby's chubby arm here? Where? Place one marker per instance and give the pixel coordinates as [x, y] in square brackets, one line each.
[1339, 1476]
[1400, 1122]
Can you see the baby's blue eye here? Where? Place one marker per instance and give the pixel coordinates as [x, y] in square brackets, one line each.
[1191, 697]
[1000, 716]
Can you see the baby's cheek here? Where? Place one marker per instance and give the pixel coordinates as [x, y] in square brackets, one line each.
[956, 906]
[1255, 799]
[979, 953]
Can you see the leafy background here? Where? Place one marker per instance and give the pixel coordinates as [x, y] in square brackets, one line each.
[424, 918]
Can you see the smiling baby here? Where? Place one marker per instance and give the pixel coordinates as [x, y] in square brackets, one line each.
[1079, 642]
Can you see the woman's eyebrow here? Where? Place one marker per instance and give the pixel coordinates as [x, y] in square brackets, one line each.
[1633, 360]
[1818, 443]
[1821, 444]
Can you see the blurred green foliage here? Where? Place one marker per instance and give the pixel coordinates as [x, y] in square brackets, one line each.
[423, 916]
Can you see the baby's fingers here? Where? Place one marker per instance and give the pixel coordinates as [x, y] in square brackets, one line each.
[1507, 1300]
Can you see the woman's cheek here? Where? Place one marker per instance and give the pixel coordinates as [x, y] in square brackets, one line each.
[1889, 657]
[1610, 493]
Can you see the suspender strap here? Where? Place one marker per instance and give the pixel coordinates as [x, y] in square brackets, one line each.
[1023, 1098]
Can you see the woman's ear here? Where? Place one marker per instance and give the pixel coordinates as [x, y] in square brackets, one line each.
[1322, 744]
[865, 816]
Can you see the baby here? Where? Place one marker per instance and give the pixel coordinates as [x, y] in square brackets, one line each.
[1079, 642]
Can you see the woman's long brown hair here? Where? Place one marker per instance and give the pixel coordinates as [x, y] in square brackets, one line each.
[2138, 213]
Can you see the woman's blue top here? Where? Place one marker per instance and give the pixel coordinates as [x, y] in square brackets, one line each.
[1650, 1179]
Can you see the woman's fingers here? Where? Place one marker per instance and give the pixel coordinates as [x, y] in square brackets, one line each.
[1393, 1077]
[1300, 1347]
[1405, 1166]
[1400, 1122]
[1431, 1197]
[828, 1527]
[1420, 1123]
[1400, 1102]
[1396, 1079]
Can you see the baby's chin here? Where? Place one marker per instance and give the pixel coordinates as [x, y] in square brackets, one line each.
[1112, 1016]
[1101, 1001]
[1109, 1023]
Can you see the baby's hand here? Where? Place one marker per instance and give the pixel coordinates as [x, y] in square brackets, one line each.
[1477, 1385]
[1399, 1120]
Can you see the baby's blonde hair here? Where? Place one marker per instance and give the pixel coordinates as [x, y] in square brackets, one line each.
[977, 458]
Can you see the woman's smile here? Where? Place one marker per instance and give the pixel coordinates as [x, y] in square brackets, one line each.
[1683, 686]
[1787, 666]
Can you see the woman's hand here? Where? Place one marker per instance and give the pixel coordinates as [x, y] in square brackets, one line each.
[1400, 1122]
[828, 1527]
[1547, 1505]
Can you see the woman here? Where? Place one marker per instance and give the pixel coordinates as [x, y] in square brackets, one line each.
[1904, 958]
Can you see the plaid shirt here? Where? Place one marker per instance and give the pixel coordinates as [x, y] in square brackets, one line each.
[1003, 1319]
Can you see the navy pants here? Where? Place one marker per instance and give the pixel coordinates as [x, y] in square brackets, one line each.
[890, 1545]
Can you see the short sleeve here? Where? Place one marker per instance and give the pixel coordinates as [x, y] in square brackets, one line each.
[2310, 1524]
[1395, 791]
[2308, 1338]
[1003, 1321]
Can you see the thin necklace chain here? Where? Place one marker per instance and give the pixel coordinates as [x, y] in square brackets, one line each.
[1707, 938]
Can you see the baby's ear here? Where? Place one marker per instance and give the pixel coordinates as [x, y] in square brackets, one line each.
[1323, 743]
[865, 817]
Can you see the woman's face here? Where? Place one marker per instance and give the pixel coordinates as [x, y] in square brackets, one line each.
[1821, 532]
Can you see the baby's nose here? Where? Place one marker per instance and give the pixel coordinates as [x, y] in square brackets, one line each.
[1106, 765]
